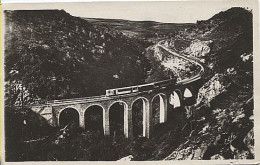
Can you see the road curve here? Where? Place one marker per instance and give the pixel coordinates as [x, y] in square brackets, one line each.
[104, 97]
[187, 80]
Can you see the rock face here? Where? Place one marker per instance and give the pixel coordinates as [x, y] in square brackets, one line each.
[211, 89]
[179, 67]
[225, 133]
[198, 48]
[221, 123]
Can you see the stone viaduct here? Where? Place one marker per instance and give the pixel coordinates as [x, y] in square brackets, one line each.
[183, 93]
[175, 95]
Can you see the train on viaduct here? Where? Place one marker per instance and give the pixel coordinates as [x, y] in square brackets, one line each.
[168, 92]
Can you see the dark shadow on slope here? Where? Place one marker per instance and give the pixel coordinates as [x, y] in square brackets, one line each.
[22, 126]
[169, 135]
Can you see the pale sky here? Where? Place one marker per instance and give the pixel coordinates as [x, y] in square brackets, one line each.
[166, 11]
[174, 12]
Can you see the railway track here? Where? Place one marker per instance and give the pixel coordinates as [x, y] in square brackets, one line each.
[187, 80]
[105, 97]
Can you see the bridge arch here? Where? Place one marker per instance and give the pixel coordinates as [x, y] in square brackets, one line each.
[69, 115]
[189, 97]
[188, 92]
[94, 118]
[162, 99]
[118, 118]
[176, 98]
[140, 104]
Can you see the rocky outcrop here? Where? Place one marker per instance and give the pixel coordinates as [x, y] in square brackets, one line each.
[249, 140]
[247, 57]
[189, 153]
[221, 120]
[127, 158]
[199, 48]
[211, 89]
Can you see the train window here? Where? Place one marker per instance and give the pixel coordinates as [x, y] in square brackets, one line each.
[135, 89]
[110, 92]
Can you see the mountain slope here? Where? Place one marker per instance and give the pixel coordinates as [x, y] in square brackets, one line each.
[219, 126]
[221, 122]
[55, 55]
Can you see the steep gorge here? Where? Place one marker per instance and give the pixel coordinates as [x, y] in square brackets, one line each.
[219, 126]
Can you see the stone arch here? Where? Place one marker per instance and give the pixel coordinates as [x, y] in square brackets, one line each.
[94, 118]
[69, 115]
[189, 97]
[118, 117]
[176, 98]
[188, 92]
[162, 107]
[144, 130]
[95, 104]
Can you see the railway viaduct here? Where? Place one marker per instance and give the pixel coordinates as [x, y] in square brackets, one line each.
[180, 94]
[170, 97]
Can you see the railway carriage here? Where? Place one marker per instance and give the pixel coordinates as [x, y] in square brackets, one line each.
[120, 91]
[139, 88]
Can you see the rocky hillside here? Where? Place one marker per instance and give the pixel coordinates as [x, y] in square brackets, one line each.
[221, 125]
[172, 65]
[44, 57]
[51, 54]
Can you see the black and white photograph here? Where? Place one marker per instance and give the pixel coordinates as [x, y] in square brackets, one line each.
[129, 81]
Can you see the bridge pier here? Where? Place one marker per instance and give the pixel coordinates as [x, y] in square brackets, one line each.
[163, 108]
[147, 108]
[149, 125]
[128, 125]
[106, 122]
[82, 120]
